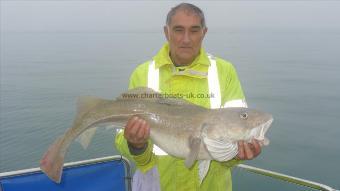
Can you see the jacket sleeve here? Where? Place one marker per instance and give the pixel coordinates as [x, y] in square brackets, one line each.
[139, 77]
[230, 84]
[147, 159]
[143, 161]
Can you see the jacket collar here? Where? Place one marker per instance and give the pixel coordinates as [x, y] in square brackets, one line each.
[198, 68]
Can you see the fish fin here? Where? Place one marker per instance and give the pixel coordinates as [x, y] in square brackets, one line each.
[194, 145]
[52, 161]
[221, 150]
[203, 168]
[86, 137]
[86, 103]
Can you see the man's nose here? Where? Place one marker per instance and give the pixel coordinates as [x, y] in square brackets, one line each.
[186, 37]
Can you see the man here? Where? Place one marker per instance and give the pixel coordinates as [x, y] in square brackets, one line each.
[182, 67]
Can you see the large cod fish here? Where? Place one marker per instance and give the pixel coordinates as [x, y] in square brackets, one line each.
[178, 127]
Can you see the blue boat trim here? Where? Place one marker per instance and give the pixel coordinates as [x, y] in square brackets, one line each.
[103, 173]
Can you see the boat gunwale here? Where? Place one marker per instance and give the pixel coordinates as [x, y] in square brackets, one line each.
[87, 162]
[286, 178]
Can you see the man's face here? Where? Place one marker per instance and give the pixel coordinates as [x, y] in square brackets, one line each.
[185, 35]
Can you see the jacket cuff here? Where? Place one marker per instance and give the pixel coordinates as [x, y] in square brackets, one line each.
[137, 151]
[231, 163]
[144, 158]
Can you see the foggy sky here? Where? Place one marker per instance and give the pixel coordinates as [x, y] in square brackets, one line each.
[108, 16]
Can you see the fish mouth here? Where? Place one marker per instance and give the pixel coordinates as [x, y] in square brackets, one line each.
[259, 132]
[267, 124]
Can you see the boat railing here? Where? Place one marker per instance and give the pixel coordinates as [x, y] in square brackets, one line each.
[286, 178]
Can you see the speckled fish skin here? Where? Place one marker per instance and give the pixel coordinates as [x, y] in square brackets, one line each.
[176, 126]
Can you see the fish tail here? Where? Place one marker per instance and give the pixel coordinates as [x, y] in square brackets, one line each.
[52, 161]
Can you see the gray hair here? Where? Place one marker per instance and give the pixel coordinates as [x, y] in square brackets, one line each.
[186, 7]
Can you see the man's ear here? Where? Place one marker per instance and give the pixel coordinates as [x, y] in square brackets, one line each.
[166, 32]
[205, 30]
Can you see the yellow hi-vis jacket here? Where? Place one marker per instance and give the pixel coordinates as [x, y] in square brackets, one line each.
[190, 83]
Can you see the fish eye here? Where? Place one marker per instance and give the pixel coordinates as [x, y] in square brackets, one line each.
[244, 115]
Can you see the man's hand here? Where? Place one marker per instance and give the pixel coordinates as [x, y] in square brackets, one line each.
[137, 132]
[248, 151]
